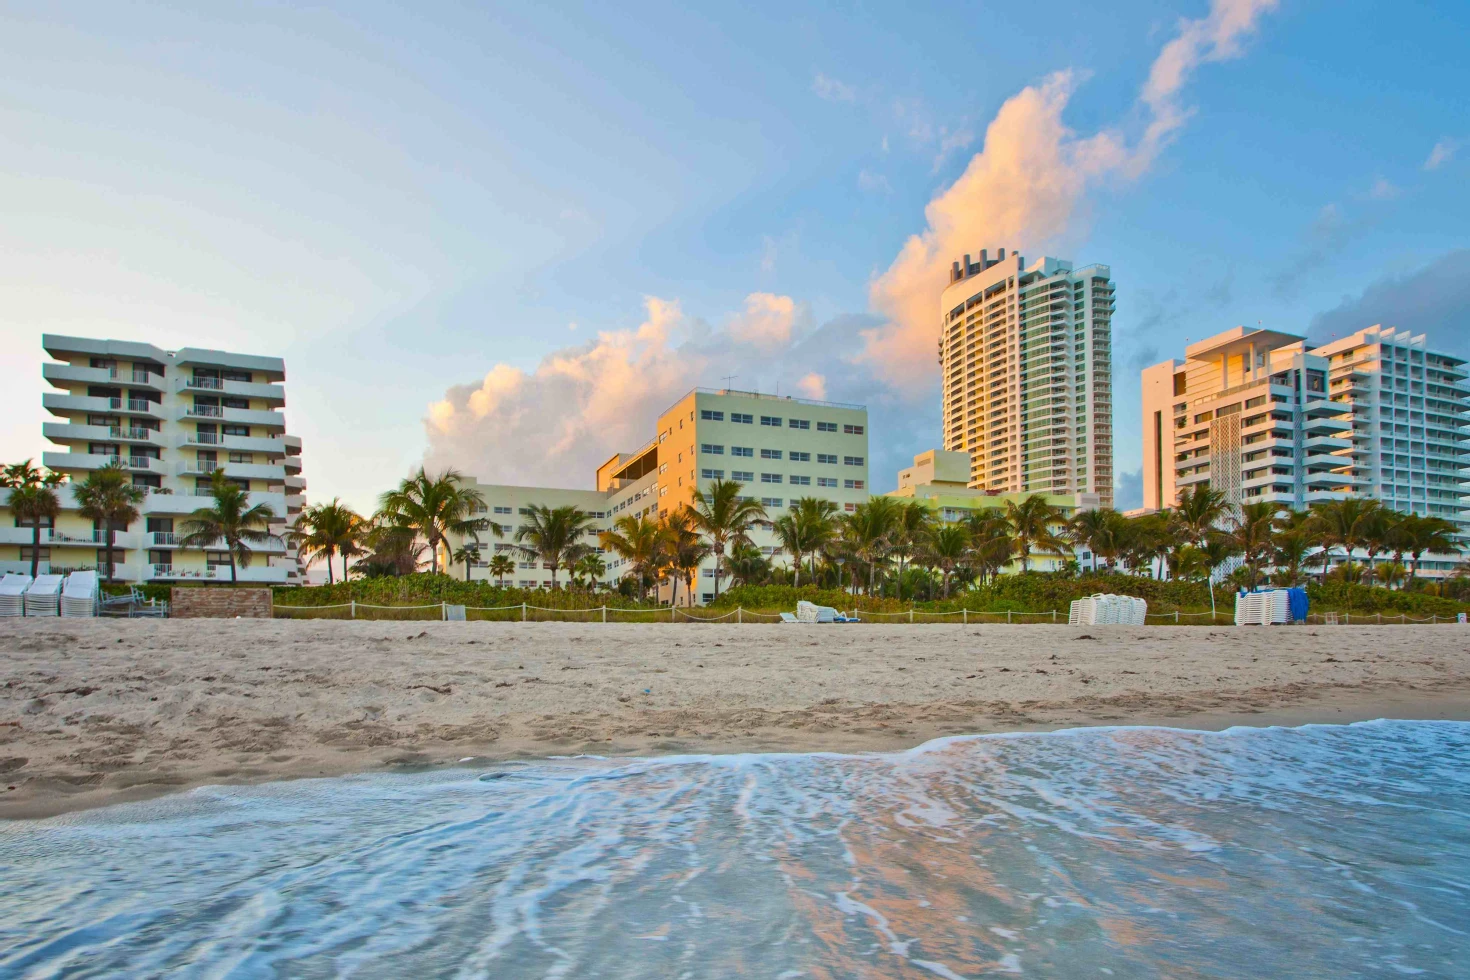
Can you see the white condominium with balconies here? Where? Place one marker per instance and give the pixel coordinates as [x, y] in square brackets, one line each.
[1025, 359]
[171, 418]
[1257, 414]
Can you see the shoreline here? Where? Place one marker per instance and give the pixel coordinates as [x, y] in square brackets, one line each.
[101, 712]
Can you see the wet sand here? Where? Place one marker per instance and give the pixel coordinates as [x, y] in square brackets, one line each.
[100, 711]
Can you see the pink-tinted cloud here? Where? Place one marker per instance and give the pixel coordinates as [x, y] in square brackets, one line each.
[1028, 185]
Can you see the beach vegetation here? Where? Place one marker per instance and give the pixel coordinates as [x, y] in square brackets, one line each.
[231, 521]
[435, 507]
[108, 498]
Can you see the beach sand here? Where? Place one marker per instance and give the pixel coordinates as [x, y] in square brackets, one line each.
[101, 711]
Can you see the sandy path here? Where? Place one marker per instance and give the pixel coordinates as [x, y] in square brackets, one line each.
[99, 711]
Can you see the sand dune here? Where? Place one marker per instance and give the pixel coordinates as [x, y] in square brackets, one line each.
[100, 711]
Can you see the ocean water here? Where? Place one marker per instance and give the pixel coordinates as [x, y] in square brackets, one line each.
[1321, 851]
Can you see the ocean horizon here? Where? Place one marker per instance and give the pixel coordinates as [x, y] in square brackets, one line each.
[1322, 850]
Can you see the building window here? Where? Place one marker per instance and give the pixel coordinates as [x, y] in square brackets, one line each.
[711, 449]
[770, 501]
[852, 461]
[827, 458]
[771, 420]
[217, 559]
[742, 451]
[743, 476]
[707, 474]
[850, 508]
[242, 458]
[502, 510]
[853, 430]
[801, 481]
[40, 554]
[827, 481]
[852, 484]
[711, 416]
[799, 423]
[770, 477]
[742, 418]
[770, 454]
[707, 596]
[235, 430]
[826, 426]
[799, 457]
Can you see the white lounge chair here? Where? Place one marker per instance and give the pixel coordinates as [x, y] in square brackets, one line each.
[12, 593]
[79, 595]
[43, 598]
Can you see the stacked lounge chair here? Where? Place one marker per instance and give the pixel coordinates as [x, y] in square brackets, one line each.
[810, 612]
[79, 595]
[12, 593]
[1271, 607]
[43, 598]
[1106, 609]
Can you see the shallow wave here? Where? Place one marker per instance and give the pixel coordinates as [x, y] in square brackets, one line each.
[1141, 852]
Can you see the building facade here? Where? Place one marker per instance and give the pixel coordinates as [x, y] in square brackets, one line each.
[1025, 359]
[781, 448]
[939, 479]
[170, 418]
[1261, 416]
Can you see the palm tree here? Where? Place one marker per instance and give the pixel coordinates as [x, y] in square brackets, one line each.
[911, 526]
[325, 530]
[791, 532]
[1033, 528]
[107, 496]
[1419, 535]
[553, 535]
[748, 566]
[818, 517]
[1102, 531]
[726, 518]
[991, 546]
[1198, 513]
[392, 549]
[230, 520]
[1390, 573]
[435, 508]
[682, 550]
[1342, 524]
[32, 504]
[1146, 540]
[868, 532]
[590, 569]
[946, 546]
[1293, 540]
[638, 541]
[469, 553]
[500, 567]
[23, 474]
[1251, 532]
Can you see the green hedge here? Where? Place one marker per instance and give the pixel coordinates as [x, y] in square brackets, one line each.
[411, 590]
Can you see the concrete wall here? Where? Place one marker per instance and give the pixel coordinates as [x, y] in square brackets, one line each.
[220, 603]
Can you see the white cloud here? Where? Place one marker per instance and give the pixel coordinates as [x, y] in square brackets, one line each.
[813, 385]
[1383, 190]
[832, 90]
[1028, 184]
[767, 322]
[1443, 152]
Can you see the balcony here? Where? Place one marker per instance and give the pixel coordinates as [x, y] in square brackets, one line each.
[52, 538]
[64, 432]
[1324, 425]
[183, 504]
[65, 462]
[239, 471]
[241, 416]
[175, 539]
[244, 389]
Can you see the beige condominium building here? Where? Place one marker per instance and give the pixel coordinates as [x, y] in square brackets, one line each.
[170, 418]
[781, 448]
[939, 479]
[1261, 416]
[1025, 359]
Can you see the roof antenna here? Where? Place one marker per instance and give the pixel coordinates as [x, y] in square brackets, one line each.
[729, 378]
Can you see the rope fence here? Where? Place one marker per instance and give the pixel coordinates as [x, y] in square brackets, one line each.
[525, 612]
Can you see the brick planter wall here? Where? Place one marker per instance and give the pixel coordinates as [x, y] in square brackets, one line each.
[219, 603]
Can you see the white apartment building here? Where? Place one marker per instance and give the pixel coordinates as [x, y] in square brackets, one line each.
[170, 418]
[1259, 415]
[781, 448]
[1025, 358]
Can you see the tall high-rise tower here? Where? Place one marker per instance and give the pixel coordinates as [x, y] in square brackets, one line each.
[1025, 359]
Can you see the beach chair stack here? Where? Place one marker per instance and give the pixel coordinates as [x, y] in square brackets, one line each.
[810, 612]
[43, 598]
[1268, 608]
[12, 593]
[79, 595]
[1106, 609]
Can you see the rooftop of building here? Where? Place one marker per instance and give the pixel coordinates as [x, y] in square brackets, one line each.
[58, 346]
[1238, 340]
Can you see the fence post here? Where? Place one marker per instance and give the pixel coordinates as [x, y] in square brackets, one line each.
[1053, 616]
[604, 612]
[673, 613]
[443, 610]
[1380, 618]
[523, 612]
[911, 615]
[965, 616]
[739, 614]
[352, 613]
[1008, 617]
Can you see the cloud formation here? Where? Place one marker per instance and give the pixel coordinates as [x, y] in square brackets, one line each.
[832, 90]
[1027, 185]
[1443, 152]
[1433, 300]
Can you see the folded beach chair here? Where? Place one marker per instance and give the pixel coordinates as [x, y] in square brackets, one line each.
[79, 594]
[789, 618]
[43, 598]
[12, 593]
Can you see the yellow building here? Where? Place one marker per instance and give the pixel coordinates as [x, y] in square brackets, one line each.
[170, 418]
[780, 447]
[939, 479]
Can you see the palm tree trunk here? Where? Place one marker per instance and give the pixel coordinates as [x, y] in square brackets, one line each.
[233, 579]
[329, 566]
[35, 547]
[110, 538]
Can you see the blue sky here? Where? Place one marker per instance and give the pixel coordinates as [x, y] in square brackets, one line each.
[503, 237]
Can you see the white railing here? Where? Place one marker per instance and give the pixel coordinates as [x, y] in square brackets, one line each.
[205, 411]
